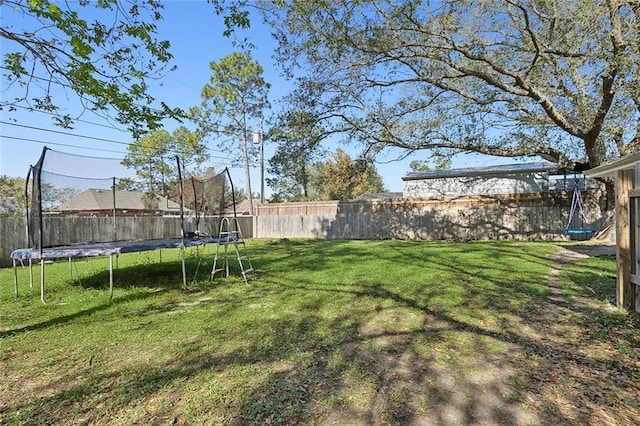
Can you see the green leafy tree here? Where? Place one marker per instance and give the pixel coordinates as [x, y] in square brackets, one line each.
[316, 181]
[129, 184]
[11, 196]
[150, 200]
[153, 157]
[52, 196]
[298, 137]
[346, 179]
[441, 163]
[235, 96]
[104, 51]
[513, 78]
[239, 194]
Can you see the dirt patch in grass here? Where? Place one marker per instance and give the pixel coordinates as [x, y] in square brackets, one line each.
[478, 334]
[551, 368]
[573, 367]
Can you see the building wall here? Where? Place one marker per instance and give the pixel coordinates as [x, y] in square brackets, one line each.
[476, 185]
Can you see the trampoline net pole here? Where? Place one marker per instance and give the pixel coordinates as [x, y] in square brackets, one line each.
[36, 196]
[181, 202]
[115, 229]
[110, 276]
[26, 205]
[38, 191]
[42, 280]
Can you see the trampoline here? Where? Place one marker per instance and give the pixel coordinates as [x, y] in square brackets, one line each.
[201, 203]
[113, 247]
[77, 251]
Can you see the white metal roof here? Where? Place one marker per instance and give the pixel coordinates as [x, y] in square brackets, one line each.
[506, 169]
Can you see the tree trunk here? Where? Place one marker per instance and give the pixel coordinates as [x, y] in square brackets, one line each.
[610, 194]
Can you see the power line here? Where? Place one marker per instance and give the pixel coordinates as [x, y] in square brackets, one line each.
[225, 158]
[84, 136]
[69, 86]
[85, 147]
[61, 144]
[63, 133]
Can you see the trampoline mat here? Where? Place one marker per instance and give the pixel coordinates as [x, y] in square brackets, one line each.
[109, 248]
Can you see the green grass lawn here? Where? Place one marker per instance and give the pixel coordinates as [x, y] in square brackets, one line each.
[358, 332]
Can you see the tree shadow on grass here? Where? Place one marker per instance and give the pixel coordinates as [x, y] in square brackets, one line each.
[64, 319]
[554, 359]
[360, 366]
[153, 274]
[361, 377]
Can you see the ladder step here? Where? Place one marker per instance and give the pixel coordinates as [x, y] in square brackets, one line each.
[231, 237]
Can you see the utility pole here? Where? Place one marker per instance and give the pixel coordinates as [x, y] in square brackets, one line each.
[261, 161]
[245, 157]
[258, 138]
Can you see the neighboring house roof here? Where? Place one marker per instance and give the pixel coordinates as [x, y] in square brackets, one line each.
[379, 196]
[102, 199]
[507, 169]
[611, 169]
[242, 207]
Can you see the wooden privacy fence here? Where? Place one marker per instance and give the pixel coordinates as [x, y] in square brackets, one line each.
[519, 216]
[12, 236]
[75, 229]
[536, 216]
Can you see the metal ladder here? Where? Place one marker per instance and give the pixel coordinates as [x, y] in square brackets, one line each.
[231, 234]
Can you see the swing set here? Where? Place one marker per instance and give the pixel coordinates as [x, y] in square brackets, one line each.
[578, 225]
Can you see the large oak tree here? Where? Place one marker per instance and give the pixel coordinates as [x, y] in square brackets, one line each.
[514, 78]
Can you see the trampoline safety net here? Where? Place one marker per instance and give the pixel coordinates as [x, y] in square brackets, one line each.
[73, 199]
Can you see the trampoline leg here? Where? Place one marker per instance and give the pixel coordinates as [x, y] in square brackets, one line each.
[184, 272]
[30, 273]
[15, 277]
[42, 281]
[110, 276]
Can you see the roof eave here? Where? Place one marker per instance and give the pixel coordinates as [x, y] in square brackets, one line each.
[612, 169]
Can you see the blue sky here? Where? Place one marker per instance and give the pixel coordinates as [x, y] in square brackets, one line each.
[195, 33]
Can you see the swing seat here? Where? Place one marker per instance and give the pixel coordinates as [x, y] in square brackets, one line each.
[578, 231]
[577, 204]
